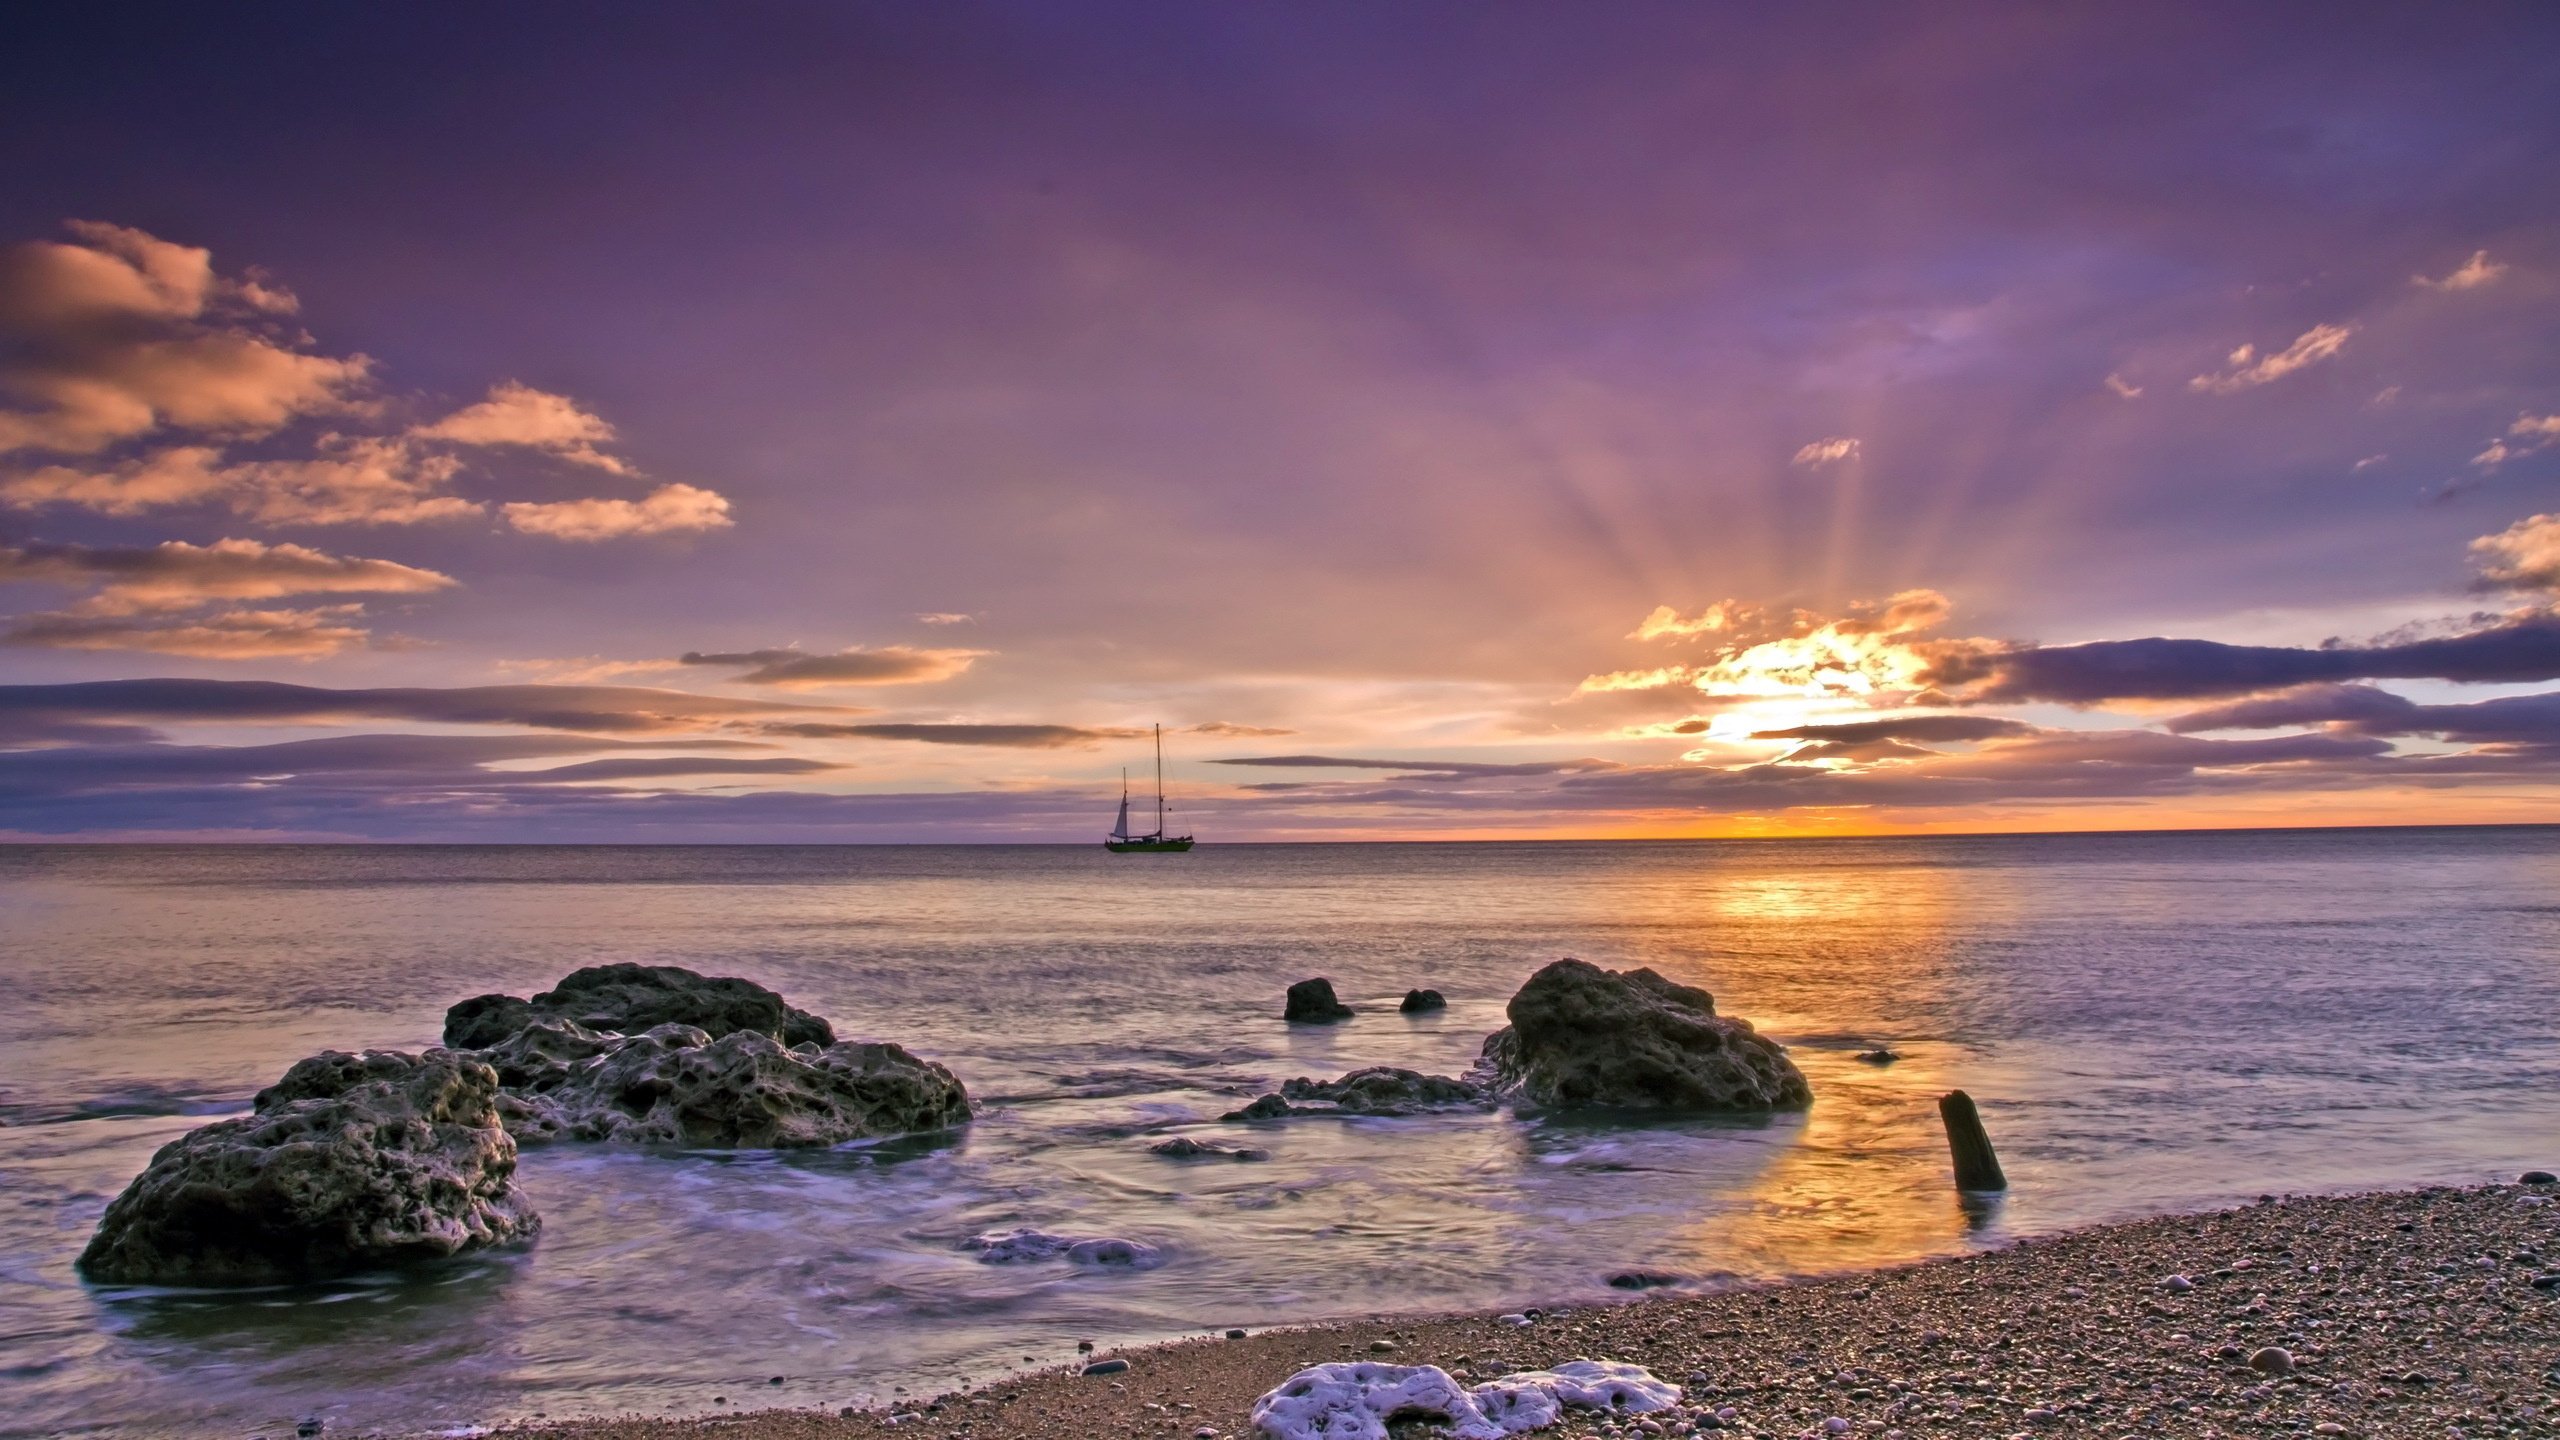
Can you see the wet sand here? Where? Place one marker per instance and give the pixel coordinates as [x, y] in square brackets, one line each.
[2419, 1313]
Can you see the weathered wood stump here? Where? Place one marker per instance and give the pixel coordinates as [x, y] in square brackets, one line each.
[1977, 1167]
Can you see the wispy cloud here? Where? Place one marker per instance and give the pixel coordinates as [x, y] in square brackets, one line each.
[2123, 388]
[176, 598]
[987, 735]
[2471, 274]
[2247, 368]
[790, 667]
[2530, 433]
[1830, 451]
[2524, 556]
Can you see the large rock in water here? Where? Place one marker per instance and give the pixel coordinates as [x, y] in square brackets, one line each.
[1581, 1036]
[677, 1085]
[630, 999]
[1313, 1002]
[351, 1162]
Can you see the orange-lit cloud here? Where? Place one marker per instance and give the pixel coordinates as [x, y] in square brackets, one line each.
[1832, 451]
[520, 415]
[2524, 556]
[2248, 369]
[667, 510]
[791, 668]
[2471, 274]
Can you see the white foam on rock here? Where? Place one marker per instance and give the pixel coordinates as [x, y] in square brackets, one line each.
[1355, 1400]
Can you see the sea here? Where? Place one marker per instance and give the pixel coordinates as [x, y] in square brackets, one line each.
[2150, 1022]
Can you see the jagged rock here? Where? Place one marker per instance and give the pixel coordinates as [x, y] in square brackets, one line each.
[677, 1085]
[1386, 1090]
[1312, 1001]
[1581, 1036]
[1183, 1147]
[629, 999]
[350, 1162]
[1417, 1001]
[1014, 1247]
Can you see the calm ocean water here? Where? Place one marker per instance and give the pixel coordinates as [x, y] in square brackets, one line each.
[2150, 1022]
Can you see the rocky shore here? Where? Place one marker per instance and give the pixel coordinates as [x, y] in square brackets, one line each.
[2420, 1313]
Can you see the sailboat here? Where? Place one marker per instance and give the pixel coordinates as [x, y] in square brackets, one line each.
[1120, 841]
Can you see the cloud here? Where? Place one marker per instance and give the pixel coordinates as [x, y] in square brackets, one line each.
[2471, 274]
[346, 480]
[520, 415]
[591, 709]
[138, 596]
[2524, 556]
[2124, 388]
[946, 617]
[2529, 434]
[1433, 767]
[667, 510]
[1241, 732]
[234, 634]
[1829, 451]
[1006, 737]
[2369, 710]
[857, 665]
[2247, 368]
[116, 333]
[2526, 648]
[1758, 652]
[1938, 728]
[177, 574]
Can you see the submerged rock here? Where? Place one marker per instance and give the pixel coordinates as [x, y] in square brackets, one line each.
[1354, 1400]
[1312, 1001]
[1879, 1056]
[630, 999]
[351, 1162]
[1015, 1247]
[677, 1085]
[1386, 1090]
[1581, 1036]
[1417, 1001]
[1183, 1147]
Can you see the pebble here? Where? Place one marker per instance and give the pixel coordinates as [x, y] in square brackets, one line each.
[2177, 1284]
[1235, 1334]
[2538, 1177]
[2272, 1360]
[1106, 1367]
[308, 1428]
[1382, 1347]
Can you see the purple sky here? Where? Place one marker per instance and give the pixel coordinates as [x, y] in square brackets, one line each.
[876, 416]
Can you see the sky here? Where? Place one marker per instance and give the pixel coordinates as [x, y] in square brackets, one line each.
[863, 422]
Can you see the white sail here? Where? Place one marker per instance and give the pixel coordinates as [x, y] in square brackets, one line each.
[1120, 831]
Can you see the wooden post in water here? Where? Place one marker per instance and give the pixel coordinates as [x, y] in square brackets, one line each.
[1977, 1167]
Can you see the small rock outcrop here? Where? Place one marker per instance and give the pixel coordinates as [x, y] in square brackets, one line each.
[1378, 1090]
[1584, 1037]
[1183, 1147]
[1386, 1090]
[350, 1162]
[677, 1085]
[1313, 1002]
[1418, 1001]
[630, 999]
[1015, 1247]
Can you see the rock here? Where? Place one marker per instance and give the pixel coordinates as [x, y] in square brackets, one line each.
[1235, 1334]
[1311, 1001]
[2538, 1177]
[1382, 1347]
[677, 1085]
[630, 999]
[1356, 1400]
[1105, 1367]
[2272, 1360]
[1417, 1001]
[1641, 1280]
[2177, 1284]
[1385, 1090]
[1265, 1107]
[351, 1162]
[1015, 1247]
[1581, 1036]
[1183, 1147]
[1879, 1056]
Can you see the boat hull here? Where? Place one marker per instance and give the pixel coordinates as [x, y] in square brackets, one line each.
[1148, 845]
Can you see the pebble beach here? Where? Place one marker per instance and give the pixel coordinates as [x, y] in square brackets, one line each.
[2431, 1312]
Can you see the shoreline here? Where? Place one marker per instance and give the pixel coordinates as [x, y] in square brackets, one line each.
[2433, 1311]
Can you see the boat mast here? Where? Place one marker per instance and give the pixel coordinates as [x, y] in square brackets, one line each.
[1159, 780]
